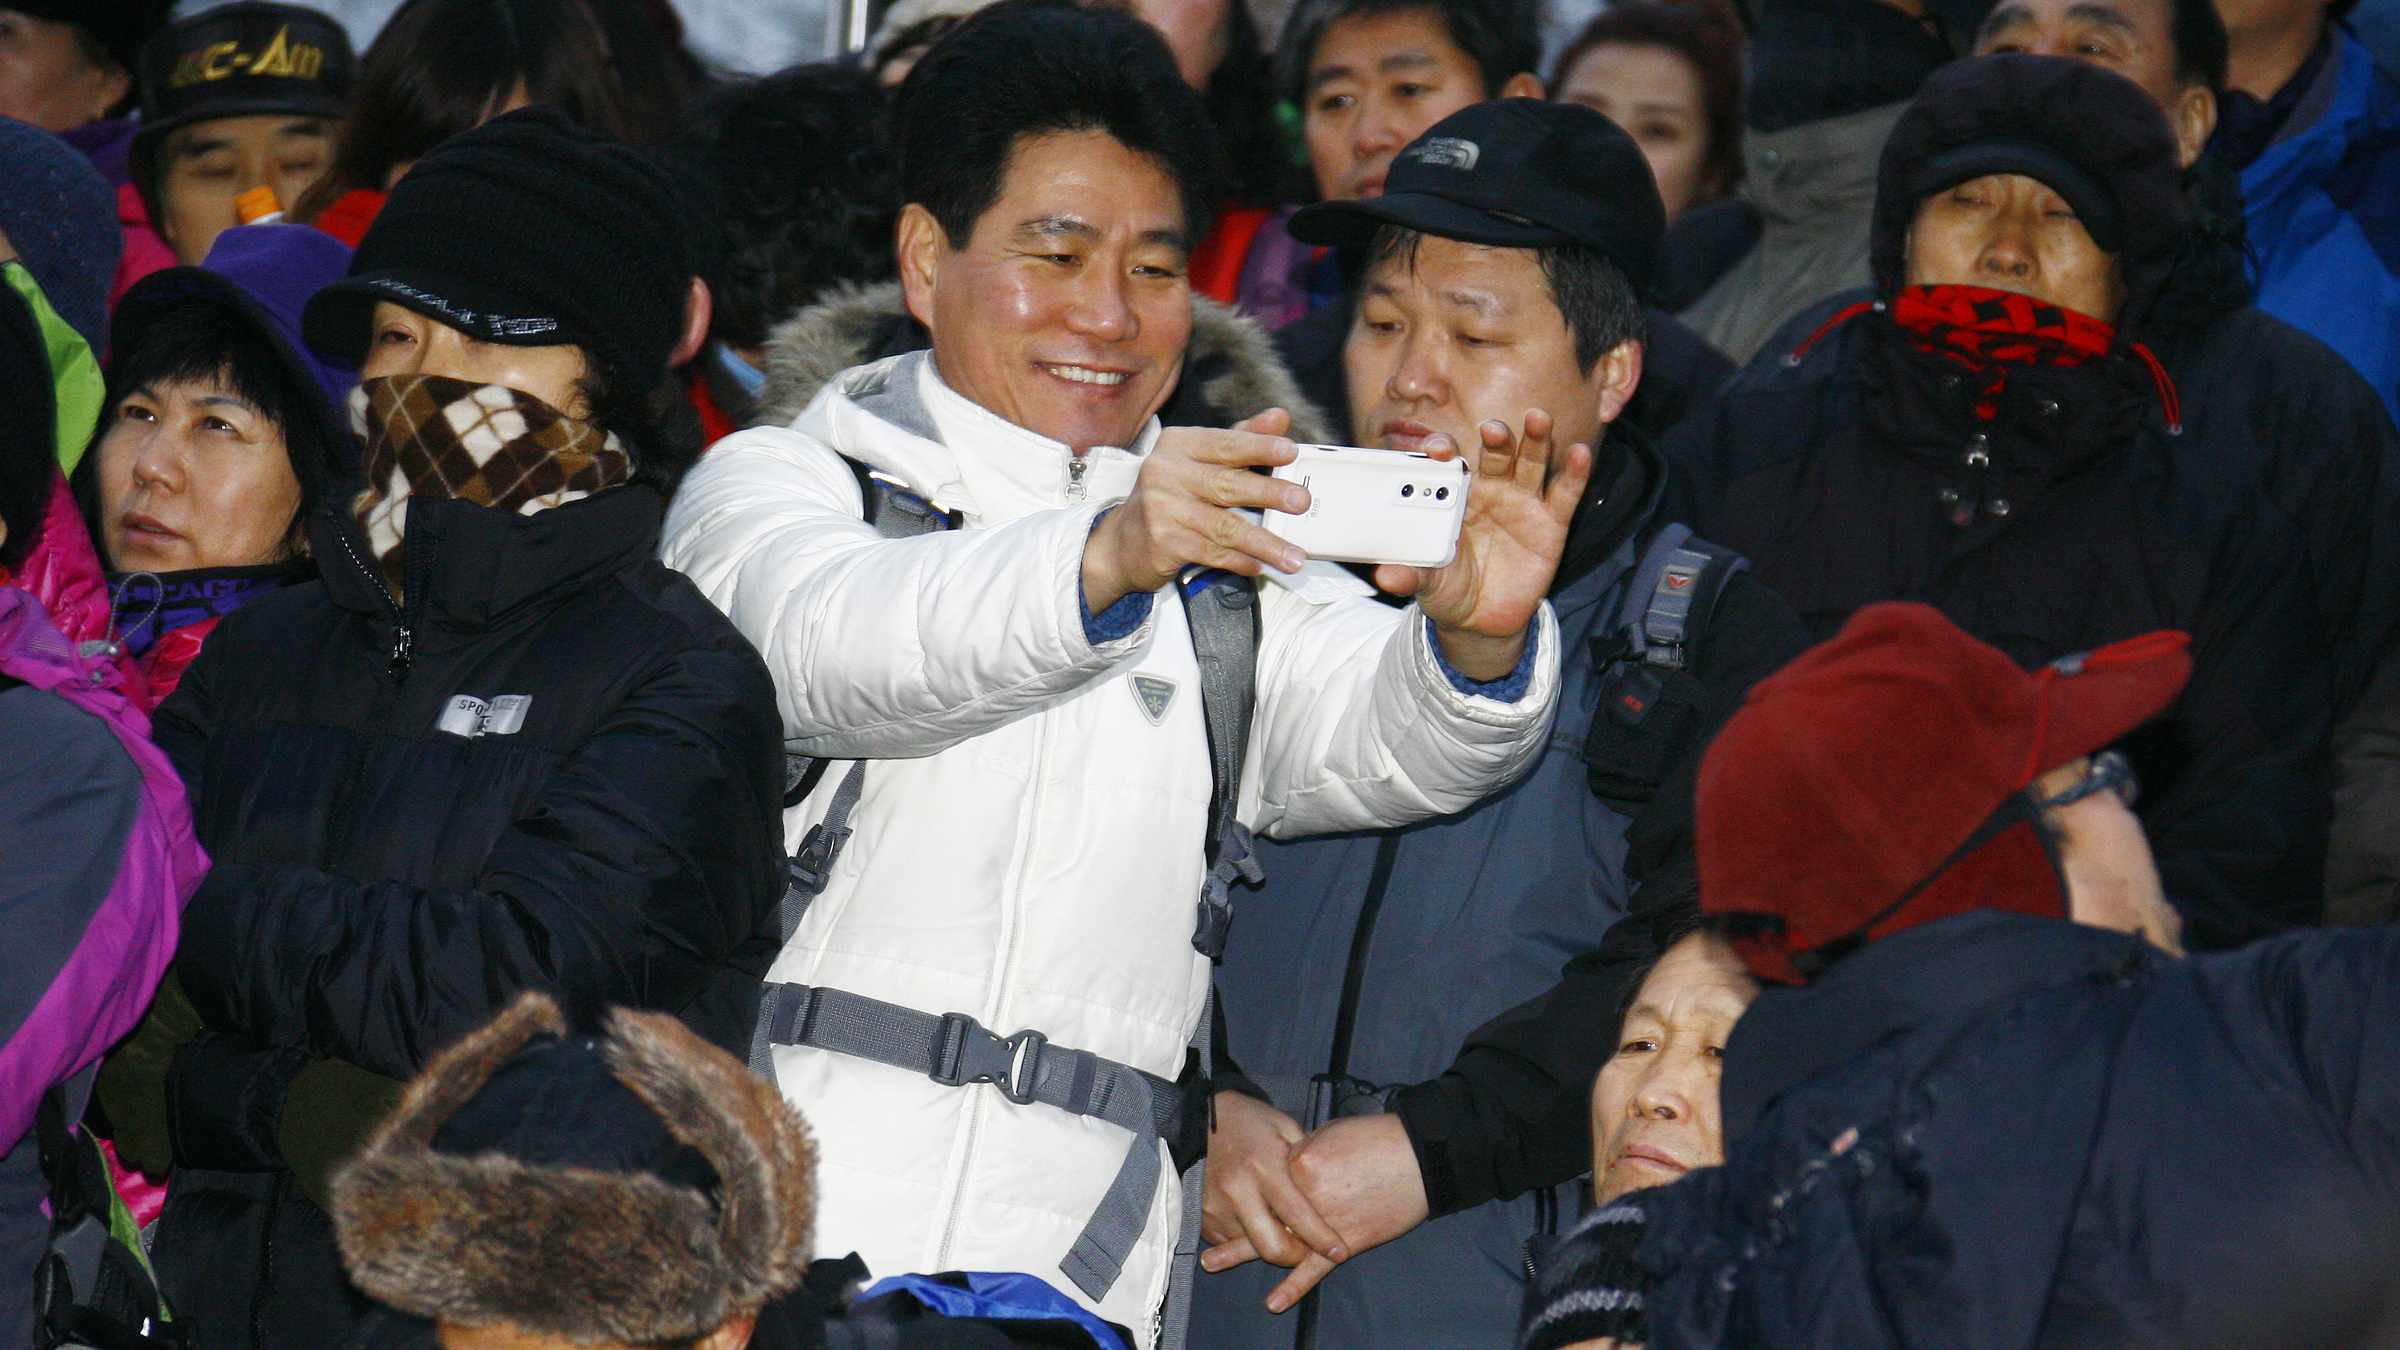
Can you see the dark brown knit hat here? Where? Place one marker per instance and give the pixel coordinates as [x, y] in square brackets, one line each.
[638, 1187]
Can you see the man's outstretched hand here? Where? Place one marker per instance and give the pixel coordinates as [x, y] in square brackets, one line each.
[1508, 548]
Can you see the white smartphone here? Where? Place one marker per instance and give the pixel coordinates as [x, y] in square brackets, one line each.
[1375, 506]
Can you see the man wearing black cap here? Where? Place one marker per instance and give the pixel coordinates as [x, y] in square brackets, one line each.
[1497, 306]
[240, 98]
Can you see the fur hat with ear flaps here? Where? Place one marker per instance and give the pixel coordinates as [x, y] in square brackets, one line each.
[642, 1186]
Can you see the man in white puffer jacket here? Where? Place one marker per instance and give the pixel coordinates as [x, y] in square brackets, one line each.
[1028, 847]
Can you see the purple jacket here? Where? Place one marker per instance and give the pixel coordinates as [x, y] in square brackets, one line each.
[97, 859]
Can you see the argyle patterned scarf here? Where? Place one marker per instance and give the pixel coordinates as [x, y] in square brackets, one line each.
[1988, 332]
[433, 436]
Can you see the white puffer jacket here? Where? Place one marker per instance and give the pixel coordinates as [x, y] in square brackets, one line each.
[1028, 848]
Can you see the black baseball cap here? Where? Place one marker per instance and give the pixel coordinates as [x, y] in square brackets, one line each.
[1513, 173]
[242, 60]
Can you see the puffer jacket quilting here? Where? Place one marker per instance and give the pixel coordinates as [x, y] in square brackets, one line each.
[386, 881]
[1028, 846]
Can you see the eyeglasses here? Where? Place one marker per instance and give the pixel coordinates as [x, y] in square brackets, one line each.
[2108, 771]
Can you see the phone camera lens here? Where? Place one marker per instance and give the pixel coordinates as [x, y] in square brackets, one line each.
[1441, 494]
[1408, 489]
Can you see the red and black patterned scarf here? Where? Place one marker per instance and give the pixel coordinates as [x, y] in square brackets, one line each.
[1988, 332]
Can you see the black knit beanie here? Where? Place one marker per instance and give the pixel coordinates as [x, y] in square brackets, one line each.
[530, 231]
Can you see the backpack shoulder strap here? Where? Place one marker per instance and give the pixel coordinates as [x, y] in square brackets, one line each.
[1651, 705]
[1674, 594]
[1222, 610]
[897, 512]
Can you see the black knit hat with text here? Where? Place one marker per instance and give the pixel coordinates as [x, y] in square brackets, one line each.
[530, 231]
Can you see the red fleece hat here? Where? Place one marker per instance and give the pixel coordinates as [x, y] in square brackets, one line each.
[1864, 770]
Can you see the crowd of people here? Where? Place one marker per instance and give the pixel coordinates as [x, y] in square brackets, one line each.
[658, 709]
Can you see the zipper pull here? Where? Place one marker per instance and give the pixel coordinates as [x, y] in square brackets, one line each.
[398, 670]
[1076, 466]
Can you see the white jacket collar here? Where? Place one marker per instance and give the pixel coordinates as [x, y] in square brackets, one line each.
[959, 453]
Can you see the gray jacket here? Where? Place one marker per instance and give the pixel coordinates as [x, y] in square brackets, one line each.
[1814, 187]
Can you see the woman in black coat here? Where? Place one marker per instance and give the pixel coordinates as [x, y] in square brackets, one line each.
[499, 747]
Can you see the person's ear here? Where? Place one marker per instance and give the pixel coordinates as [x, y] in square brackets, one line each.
[921, 245]
[699, 309]
[2195, 119]
[110, 85]
[1619, 374]
[1523, 84]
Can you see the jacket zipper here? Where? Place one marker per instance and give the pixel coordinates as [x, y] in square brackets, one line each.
[403, 639]
[1345, 1026]
[337, 822]
[1008, 963]
[1077, 466]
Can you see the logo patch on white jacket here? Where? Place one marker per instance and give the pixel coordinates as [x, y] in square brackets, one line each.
[1152, 694]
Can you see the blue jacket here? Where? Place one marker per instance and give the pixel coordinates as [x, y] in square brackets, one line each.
[2323, 210]
[2025, 1134]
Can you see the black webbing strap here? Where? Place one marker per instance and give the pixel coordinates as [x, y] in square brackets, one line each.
[955, 1050]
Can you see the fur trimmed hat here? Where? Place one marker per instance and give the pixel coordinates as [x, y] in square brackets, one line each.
[638, 1187]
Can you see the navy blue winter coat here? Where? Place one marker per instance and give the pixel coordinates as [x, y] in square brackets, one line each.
[2026, 1134]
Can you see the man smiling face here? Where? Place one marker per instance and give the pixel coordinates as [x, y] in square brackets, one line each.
[1066, 310]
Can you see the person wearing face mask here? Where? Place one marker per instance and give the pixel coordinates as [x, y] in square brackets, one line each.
[1986, 1099]
[2056, 419]
[220, 435]
[497, 747]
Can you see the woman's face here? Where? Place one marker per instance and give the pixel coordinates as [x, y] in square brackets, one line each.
[1654, 1105]
[192, 475]
[1656, 96]
[404, 342]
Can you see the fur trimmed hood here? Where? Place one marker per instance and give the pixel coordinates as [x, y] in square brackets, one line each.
[586, 1254]
[1231, 358]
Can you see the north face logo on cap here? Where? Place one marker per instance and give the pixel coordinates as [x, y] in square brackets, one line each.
[1152, 694]
[1448, 151]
